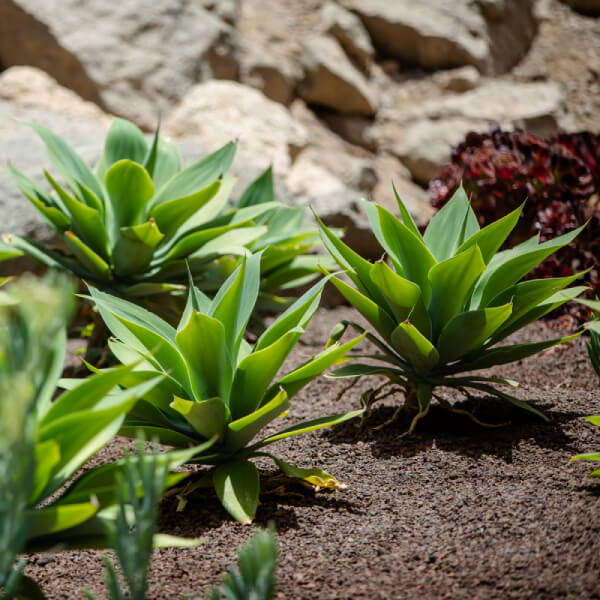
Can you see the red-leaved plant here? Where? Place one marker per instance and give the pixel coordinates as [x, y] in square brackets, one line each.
[559, 177]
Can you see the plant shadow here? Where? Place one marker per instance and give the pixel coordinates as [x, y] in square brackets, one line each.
[278, 499]
[451, 432]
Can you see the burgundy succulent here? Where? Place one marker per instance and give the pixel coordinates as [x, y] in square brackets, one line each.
[559, 177]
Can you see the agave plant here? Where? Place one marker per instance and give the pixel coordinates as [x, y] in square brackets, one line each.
[445, 301]
[216, 384]
[130, 225]
[44, 442]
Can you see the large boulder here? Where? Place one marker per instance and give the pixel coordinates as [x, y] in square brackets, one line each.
[422, 135]
[489, 34]
[215, 112]
[269, 49]
[331, 80]
[135, 59]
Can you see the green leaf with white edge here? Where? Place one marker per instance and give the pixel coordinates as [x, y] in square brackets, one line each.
[209, 417]
[163, 435]
[254, 373]
[87, 221]
[490, 238]
[231, 242]
[527, 295]
[42, 201]
[404, 212]
[129, 190]
[297, 315]
[194, 240]
[134, 248]
[408, 249]
[358, 269]
[241, 431]
[295, 380]
[127, 355]
[360, 370]
[306, 427]
[171, 214]
[151, 156]
[67, 161]
[167, 165]
[90, 260]
[203, 344]
[196, 301]
[594, 304]
[315, 477]
[86, 395]
[123, 141]
[234, 302]
[552, 303]
[47, 456]
[259, 191]
[144, 331]
[509, 266]
[452, 282]
[52, 519]
[403, 296]
[506, 354]
[197, 176]
[412, 345]
[379, 318]
[467, 331]
[45, 256]
[81, 434]
[100, 481]
[237, 485]
[449, 227]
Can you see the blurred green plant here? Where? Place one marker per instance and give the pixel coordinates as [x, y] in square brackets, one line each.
[132, 533]
[593, 348]
[214, 383]
[255, 575]
[44, 442]
[130, 225]
[444, 302]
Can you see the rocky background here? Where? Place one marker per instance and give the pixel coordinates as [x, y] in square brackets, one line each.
[342, 97]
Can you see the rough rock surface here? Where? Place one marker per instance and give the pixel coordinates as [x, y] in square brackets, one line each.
[349, 31]
[331, 80]
[134, 58]
[422, 135]
[461, 79]
[215, 112]
[491, 35]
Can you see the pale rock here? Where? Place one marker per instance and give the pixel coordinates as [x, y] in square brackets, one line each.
[21, 146]
[135, 59]
[216, 112]
[491, 35]
[331, 80]
[348, 29]
[226, 10]
[30, 87]
[269, 50]
[422, 135]
[461, 79]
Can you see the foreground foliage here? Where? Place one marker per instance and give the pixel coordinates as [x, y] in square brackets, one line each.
[560, 177]
[130, 225]
[448, 298]
[216, 384]
[44, 442]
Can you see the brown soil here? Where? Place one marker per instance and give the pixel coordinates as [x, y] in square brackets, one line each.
[455, 511]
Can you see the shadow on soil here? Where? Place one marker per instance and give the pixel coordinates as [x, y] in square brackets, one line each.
[279, 496]
[453, 432]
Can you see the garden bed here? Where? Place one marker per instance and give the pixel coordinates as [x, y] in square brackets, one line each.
[455, 511]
